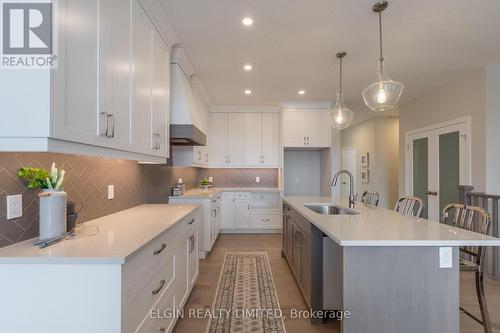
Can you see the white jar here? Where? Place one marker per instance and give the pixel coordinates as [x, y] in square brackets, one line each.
[52, 214]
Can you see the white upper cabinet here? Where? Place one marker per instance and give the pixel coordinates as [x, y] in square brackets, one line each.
[161, 96]
[318, 128]
[143, 72]
[271, 146]
[109, 95]
[253, 138]
[306, 128]
[76, 113]
[236, 139]
[218, 139]
[245, 139]
[262, 139]
[115, 72]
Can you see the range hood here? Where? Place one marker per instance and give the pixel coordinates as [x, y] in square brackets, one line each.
[186, 135]
[186, 118]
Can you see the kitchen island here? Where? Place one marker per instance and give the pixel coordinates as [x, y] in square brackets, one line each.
[391, 273]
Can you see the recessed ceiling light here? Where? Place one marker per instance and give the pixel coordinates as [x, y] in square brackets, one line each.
[301, 92]
[248, 92]
[247, 67]
[247, 21]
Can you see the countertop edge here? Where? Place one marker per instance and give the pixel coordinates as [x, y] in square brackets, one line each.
[393, 243]
[113, 260]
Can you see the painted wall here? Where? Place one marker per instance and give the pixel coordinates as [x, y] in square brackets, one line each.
[240, 177]
[379, 138]
[464, 97]
[492, 129]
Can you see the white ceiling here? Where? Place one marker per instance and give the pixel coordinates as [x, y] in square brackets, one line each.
[292, 45]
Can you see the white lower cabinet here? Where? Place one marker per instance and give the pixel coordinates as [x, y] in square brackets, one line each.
[250, 211]
[209, 221]
[262, 219]
[242, 212]
[228, 210]
[157, 280]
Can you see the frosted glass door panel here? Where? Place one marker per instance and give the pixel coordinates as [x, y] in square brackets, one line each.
[420, 171]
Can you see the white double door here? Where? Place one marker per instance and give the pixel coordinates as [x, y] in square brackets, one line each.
[437, 161]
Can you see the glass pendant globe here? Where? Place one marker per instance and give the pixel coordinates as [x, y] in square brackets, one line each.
[340, 116]
[384, 93]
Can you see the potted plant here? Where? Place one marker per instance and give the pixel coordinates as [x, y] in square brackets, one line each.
[52, 199]
[204, 183]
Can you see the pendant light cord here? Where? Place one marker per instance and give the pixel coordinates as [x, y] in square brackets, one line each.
[380, 33]
[340, 76]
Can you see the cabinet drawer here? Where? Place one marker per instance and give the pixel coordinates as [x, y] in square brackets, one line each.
[162, 317]
[265, 200]
[242, 195]
[145, 294]
[266, 220]
[148, 260]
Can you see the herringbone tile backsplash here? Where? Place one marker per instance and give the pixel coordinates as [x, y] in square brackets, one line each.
[86, 181]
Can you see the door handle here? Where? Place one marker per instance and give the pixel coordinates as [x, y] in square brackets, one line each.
[432, 193]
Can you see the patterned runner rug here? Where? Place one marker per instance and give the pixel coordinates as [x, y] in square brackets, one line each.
[246, 299]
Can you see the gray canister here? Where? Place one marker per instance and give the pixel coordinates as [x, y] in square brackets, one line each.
[52, 214]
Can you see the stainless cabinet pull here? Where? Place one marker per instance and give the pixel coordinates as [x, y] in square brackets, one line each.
[192, 243]
[159, 141]
[112, 117]
[162, 247]
[206, 158]
[191, 222]
[160, 287]
[199, 155]
[103, 124]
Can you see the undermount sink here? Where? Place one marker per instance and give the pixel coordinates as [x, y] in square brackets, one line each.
[330, 209]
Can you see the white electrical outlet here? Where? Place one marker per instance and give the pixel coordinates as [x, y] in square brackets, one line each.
[210, 179]
[445, 257]
[257, 179]
[111, 192]
[14, 206]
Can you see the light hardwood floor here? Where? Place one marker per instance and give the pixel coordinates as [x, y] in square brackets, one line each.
[288, 292]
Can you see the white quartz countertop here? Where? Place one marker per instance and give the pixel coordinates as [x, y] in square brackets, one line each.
[382, 227]
[199, 193]
[120, 236]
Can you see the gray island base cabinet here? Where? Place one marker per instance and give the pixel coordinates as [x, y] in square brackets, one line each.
[383, 268]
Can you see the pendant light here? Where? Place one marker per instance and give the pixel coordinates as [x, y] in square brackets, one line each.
[340, 116]
[384, 93]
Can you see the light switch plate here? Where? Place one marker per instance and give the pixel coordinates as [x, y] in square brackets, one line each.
[14, 206]
[257, 179]
[111, 192]
[445, 257]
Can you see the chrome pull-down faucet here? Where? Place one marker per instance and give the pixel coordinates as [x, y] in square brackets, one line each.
[351, 184]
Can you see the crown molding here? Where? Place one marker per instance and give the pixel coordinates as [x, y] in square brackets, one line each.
[305, 104]
[199, 88]
[245, 108]
[157, 14]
